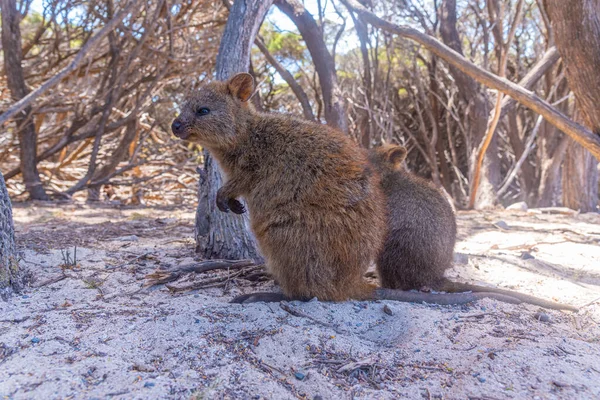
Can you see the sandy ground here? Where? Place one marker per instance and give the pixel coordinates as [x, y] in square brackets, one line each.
[88, 329]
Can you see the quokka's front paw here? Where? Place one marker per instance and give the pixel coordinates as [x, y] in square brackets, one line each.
[236, 206]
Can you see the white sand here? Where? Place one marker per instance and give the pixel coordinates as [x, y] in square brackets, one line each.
[91, 335]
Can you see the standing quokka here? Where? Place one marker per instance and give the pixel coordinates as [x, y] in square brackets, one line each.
[419, 244]
[315, 204]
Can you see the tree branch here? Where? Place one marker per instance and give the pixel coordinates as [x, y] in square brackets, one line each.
[577, 132]
[79, 58]
[289, 79]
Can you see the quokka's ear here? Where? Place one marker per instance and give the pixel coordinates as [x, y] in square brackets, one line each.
[241, 86]
[395, 155]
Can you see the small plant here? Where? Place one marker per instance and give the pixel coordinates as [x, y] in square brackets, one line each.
[92, 283]
[68, 262]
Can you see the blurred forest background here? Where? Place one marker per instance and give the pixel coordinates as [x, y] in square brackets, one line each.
[113, 72]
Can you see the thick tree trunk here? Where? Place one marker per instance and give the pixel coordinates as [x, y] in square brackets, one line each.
[580, 179]
[11, 46]
[552, 146]
[479, 111]
[218, 234]
[576, 26]
[334, 110]
[11, 278]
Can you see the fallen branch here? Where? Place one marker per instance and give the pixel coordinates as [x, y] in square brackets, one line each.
[208, 283]
[50, 281]
[368, 362]
[160, 277]
[284, 305]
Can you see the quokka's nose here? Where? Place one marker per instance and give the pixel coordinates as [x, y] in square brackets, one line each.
[176, 127]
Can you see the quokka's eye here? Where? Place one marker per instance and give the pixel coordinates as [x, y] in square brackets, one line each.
[202, 111]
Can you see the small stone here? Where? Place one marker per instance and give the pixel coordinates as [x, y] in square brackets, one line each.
[129, 238]
[542, 317]
[318, 397]
[526, 255]
[300, 376]
[35, 340]
[481, 379]
[387, 310]
[502, 225]
[149, 384]
[520, 206]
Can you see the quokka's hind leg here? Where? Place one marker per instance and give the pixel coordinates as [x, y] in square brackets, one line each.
[266, 297]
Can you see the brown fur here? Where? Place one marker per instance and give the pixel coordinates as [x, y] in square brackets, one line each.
[419, 245]
[315, 205]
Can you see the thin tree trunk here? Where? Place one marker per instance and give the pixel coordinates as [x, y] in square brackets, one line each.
[552, 147]
[576, 26]
[218, 234]
[11, 278]
[479, 110]
[289, 79]
[365, 118]
[11, 45]
[527, 173]
[550, 185]
[440, 143]
[334, 110]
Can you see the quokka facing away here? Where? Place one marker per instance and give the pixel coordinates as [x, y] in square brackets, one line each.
[419, 244]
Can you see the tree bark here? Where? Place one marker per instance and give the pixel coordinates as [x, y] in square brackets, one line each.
[334, 110]
[479, 106]
[580, 179]
[576, 27]
[11, 278]
[553, 147]
[218, 234]
[11, 45]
